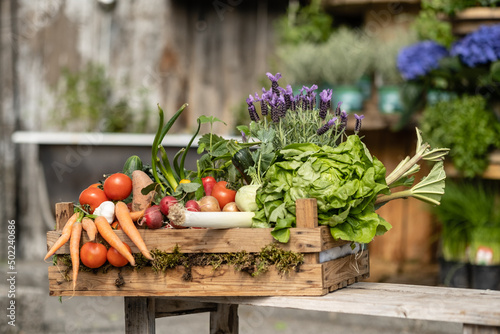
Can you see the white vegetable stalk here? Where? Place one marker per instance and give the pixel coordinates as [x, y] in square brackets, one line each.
[178, 215]
[107, 210]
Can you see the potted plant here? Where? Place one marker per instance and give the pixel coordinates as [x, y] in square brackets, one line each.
[470, 236]
[388, 79]
[467, 127]
[454, 237]
[343, 60]
[485, 255]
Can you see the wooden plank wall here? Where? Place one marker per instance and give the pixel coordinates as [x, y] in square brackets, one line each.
[208, 54]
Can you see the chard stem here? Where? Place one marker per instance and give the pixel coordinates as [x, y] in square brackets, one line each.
[399, 172]
[396, 195]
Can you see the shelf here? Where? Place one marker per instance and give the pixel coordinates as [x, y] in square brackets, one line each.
[470, 19]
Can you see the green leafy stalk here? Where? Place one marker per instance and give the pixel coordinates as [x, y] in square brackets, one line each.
[429, 189]
[160, 134]
[183, 158]
[166, 169]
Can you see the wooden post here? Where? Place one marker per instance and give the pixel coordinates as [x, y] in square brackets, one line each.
[139, 315]
[306, 213]
[64, 210]
[224, 320]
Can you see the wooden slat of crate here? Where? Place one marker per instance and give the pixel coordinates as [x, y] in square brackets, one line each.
[302, 240]
[310, 280]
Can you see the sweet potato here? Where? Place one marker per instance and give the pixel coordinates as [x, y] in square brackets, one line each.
[140, 180]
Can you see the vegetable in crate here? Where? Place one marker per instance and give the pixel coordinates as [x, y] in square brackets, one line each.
[345, 181]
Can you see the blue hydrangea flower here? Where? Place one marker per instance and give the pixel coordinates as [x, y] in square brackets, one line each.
[479, 47]
[419, 59]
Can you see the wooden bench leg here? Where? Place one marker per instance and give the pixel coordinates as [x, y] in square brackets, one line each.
[224, 320]
[478, 329]
[139, 315]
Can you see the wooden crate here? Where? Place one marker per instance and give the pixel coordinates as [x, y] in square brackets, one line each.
[312, 278]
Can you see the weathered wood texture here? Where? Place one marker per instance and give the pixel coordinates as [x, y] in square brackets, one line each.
[467, 306]
[224, 319]
[8, 120]
[139, 315]
[208, 54]
[311, 278]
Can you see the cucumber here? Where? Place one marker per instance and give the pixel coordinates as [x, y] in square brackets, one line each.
[132, 163]
[242, 160]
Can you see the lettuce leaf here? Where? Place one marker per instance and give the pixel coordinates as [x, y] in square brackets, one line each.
[345, 181]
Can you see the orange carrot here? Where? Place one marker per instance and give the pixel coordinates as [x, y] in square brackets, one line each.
[89, 226]
[113, 240]
[127, 225]
[74, 250]
[136, 215]
[65, 235]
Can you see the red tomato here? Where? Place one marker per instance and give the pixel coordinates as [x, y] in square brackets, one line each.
[222, 194]
[117, 186]
[115, 258]
[93, 254]
[93, 197]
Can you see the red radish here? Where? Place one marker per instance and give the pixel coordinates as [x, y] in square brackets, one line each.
[153, 217]
[208, 184]
[192, 205]
[165, 204]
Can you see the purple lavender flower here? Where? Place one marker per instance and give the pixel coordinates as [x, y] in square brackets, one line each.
[275, 111]
[288, 95]
[244, 138]
[312, 101]
[264, 100]
[274, 82]
[251, 109]
[324, 103]
[357, 127]
[337, 110]
[419, 59]
[343, 121]
[326, 127]
[479, 47]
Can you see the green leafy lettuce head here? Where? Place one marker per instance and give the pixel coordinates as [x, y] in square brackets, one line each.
[345, 180]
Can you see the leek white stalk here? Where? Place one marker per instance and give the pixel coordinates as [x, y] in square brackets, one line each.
[178, 215]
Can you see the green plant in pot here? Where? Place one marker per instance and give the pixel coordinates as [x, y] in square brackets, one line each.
[455, 235]
[387, 76]
[470, 235]
[467, 127]
[343, 61]
[484, 254]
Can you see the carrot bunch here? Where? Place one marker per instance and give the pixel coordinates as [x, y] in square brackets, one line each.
[75, 225]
